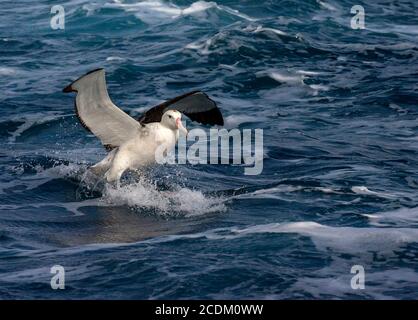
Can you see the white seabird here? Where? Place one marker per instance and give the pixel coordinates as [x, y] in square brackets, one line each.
[133, 143]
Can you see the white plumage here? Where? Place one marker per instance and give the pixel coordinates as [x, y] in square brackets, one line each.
[140, 150]
[133, 143]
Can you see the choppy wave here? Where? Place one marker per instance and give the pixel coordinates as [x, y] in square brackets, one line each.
[141, 194]
[154, 11]
[357, 241]
[338, 187]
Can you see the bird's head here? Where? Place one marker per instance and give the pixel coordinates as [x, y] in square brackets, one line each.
[172, 119]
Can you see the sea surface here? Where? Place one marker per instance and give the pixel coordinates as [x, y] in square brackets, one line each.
[339, 188]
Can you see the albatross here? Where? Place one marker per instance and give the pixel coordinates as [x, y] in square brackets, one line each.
[131, 143]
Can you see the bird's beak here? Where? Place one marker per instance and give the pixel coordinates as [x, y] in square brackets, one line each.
[180, 126]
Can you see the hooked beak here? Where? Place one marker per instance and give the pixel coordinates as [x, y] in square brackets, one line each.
[180, 126]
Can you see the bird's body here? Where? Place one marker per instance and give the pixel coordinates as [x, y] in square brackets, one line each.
[134, 144]
[137, 152]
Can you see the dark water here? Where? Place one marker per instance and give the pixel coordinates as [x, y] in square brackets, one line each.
[339, 187]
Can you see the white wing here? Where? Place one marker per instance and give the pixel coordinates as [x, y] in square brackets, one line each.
[98, 114]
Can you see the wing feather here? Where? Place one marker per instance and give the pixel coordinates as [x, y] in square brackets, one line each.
[196, 105]
[98, 114]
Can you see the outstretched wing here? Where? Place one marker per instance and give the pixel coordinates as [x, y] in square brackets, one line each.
[196, 105]
[98, 114]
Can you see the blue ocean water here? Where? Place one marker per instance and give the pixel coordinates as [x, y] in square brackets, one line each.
[338, 107]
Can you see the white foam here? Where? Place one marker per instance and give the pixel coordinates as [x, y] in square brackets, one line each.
[115, 58]
[399, 217]
[233, 121]
[317, 88]
[271, 30]
[236, 13]
[233, 67]
[285, 78]
[326, 5]
[182, 201]
[155, 11]
[203, 47]
[269, 193]
[327, 190]
[294, 79]
[356, 241]
[198, 7]
[307, 73]
[5, 71]
[365, 191]
[343, 239]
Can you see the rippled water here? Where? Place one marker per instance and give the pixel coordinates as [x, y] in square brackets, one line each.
[339, 187]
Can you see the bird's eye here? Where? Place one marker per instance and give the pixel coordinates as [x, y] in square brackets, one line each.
[170, 117]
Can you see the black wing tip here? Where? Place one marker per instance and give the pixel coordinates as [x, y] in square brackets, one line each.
[219, 119]
[215, 114]
[211, 117]
[220, 122]
[69, 88]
